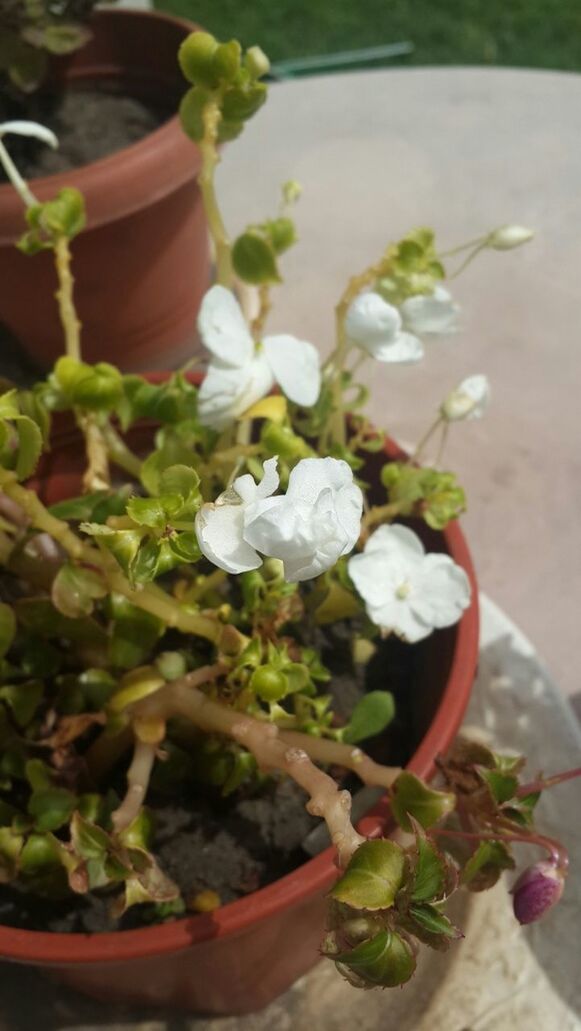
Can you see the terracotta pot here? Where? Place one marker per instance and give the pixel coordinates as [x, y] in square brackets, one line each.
[142, 264]
[239, 958]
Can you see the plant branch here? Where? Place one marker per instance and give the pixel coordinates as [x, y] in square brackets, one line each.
[64, 295]
[138, 776]
[96, 475]
[210, 158]
[119, 453]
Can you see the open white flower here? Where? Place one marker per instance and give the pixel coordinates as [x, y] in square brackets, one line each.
[435, 314]
[468, 400]
[241, 371]
[406, 591]
[376, 326]
[309, 528]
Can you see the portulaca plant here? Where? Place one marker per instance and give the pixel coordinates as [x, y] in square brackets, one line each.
[169, 616]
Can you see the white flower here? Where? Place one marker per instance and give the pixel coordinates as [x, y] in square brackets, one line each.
[34, 129]
[434, 313]
[376, 326]
[406, 591]
[308, 529]
[468, 400]
[241, 371]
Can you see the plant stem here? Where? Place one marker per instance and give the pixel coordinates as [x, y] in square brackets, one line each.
[542, 783]
[557, 852]
[210, 159]
[467, 261]
[64, 296]
[378, 514]
[337, 754]
[265, 306]
[461, 247]
[137, 783]
[119, 453]
[20, 185]
[96, 475]
[415, 457]
[150, 598]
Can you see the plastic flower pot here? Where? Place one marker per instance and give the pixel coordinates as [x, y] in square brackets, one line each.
[240, 957]
[142, 265]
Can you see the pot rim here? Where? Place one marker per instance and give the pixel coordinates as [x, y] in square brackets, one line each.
[144, 172]
[313, 876]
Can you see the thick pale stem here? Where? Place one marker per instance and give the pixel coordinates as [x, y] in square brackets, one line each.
[265, 306]
[64, 295]
[96, 476]
[138, 776]
[210, 158]
[289, 752]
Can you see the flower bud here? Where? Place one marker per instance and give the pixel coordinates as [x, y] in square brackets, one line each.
[468, 400]
[269, 684]
[507, 237]
[257, 63]
[196, 59]
[226, 60]
[536, 891]
[240, 103]
[191, 113]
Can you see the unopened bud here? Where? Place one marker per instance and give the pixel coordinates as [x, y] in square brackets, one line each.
[468, 400]
[196, 59]
[256, 62]
[507, 237]
[537, 890]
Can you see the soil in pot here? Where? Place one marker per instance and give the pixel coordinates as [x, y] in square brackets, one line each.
[233, 846]
[90, 122]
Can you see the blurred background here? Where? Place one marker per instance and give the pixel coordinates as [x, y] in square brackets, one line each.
[519, 33]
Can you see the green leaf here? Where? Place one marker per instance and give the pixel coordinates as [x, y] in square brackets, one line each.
[521, 810]
[123, 544]
[372, 714]
[57, 38]
[409, 795]
[185, 547]
[429, 875]
[88, 840]
[486, 865]
[431, 920]
[135, 633]
[29, 446]
[373, 877]
[95, 507]
[52, 808]
[147, 512]
[254, 259]
[9, 408]
[503, 786]
[23, 699]
[7, 627]
[75, 590]
[386, 961]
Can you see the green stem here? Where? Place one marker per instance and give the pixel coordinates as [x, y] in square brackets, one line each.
[473, 254]
[210, 158]
[119, 453]
[64, 295]
[415, 457]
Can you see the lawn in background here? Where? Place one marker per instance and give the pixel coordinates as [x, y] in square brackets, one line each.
[529, 33]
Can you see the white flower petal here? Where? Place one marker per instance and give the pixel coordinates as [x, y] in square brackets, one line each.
[33, 129]
[225, 393]
[394, 540]
[431, 313]
[219, 529]
[312, 475]
[443, 591]
[371, 322]
[404, 350]
[247, 488]
[295, 366]
[223, 328]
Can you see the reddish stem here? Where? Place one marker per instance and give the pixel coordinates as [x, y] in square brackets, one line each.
[547, 782]
[557, 852]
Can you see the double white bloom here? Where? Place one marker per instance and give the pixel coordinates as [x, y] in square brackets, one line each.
[389, 334]
[406, 591]
[241, 372]
[308, 528]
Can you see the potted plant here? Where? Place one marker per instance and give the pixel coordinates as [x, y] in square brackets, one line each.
[226, 594]
[109, 89]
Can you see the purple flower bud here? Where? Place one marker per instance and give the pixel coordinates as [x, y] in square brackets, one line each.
[537, 890]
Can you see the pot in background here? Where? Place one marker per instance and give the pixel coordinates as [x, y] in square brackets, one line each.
[141, 266]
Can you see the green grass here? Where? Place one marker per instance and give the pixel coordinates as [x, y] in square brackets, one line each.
[530, 33]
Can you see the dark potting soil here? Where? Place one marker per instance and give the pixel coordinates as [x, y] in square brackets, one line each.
[90, 123]
[235, 845]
